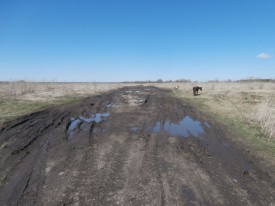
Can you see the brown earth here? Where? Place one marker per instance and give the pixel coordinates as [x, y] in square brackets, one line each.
[132, 146]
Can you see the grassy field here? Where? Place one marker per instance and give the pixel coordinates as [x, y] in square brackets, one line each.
[20, 98]
[246, 107]
[11, 108]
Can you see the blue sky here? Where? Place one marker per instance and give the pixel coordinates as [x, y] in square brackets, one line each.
[130, 40]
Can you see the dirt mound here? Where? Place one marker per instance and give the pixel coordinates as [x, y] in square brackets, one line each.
[134, 146]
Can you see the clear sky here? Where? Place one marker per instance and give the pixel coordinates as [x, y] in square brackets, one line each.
[129, 40]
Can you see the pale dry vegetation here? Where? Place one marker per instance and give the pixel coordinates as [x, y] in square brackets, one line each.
[43, 91]
[252, 102]
[263, 116]
[21, 97]
[219, 86]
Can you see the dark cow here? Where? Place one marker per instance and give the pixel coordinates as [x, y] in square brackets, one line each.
[196, 89]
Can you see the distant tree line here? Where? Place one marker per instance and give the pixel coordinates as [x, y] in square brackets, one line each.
[256, 80]
[159, 81]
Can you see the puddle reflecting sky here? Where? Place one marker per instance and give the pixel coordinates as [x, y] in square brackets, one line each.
[72, 127]
[98, 117]
[135, 129]
[186, 127]
[109, 105]
[207, 125]
[74, 122]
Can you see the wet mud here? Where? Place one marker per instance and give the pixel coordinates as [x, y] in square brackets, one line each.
[132, 146]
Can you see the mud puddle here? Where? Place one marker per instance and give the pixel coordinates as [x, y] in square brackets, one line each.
[135, 97]
[75, 123]
[186, 127]
[72, 127]
[202, 131]
[98, 117]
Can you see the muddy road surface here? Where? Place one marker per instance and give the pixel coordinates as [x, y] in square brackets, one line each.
[133, 146]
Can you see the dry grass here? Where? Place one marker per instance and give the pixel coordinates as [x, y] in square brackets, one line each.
[249, 101]
[43, 91]
[219, 86]
[263, 116]
[20, 98]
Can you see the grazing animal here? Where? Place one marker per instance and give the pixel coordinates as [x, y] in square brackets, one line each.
[176, 88]
[196, 90]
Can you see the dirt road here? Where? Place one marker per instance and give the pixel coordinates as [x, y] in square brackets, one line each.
[133, 146]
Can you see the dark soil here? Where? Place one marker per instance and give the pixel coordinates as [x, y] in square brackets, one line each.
[133, 146]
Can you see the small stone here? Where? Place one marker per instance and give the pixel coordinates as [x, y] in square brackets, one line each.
[61, 173]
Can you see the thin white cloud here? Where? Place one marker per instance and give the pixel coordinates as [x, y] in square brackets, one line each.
[263, 56]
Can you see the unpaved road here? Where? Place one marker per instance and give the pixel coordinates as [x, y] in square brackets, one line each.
[133, 146]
